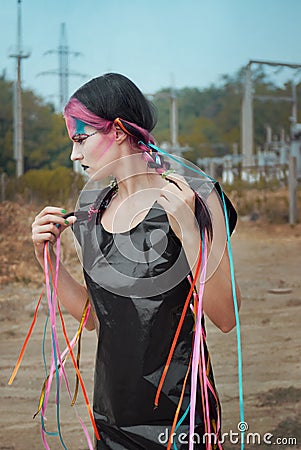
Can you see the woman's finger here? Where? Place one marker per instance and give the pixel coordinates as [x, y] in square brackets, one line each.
[174, 194]
[51, 210]
[50, 218]
[59, 221]
[48, 228]
[179, 181]
[44, 237]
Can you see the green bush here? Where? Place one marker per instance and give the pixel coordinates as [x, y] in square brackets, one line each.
[45, 185]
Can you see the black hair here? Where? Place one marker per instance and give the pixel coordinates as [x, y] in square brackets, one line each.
[113, 95]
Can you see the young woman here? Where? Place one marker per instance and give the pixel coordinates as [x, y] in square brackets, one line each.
[142, 239]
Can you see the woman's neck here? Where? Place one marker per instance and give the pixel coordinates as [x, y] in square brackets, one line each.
[132, 176]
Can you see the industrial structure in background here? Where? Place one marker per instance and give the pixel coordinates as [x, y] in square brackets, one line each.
[274, 152]
[279, 158]
[63, 71]
[249, 157]
[18, 54]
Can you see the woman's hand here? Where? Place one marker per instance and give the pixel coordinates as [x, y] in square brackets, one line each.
[178, 200]
[47, 226]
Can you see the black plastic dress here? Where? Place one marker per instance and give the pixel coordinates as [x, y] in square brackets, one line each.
[137, 283]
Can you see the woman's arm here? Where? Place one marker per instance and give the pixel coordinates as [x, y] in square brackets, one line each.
[218, 296]
[72, 294]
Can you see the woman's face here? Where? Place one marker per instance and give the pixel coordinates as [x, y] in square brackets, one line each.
[93, 149]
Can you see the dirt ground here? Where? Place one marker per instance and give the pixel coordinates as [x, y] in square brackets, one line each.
[267, 258]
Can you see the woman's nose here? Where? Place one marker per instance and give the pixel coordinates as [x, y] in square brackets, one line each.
[76, 154]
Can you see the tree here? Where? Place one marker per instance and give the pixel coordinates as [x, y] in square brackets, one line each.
[46, 142]
[7, 163]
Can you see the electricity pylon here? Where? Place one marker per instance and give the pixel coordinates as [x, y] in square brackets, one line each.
[63, 69]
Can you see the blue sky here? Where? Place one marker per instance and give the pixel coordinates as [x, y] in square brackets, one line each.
[155, 43]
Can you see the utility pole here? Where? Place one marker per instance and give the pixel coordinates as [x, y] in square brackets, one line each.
[63, 68]
[247, 120]
[174, 147]
[293, 190]
[294, 118]
[173, 115]
[174, 119]
[19, 54]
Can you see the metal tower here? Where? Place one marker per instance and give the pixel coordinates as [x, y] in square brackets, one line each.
[63, 69]
[19, 54]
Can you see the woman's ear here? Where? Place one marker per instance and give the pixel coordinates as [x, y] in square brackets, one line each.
[120, 135]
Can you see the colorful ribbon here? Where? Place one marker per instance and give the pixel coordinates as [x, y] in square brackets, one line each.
[58, 358]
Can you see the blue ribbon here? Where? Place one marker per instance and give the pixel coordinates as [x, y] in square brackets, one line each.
[238, 332]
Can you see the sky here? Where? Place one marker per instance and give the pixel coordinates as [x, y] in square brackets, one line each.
[156, 43]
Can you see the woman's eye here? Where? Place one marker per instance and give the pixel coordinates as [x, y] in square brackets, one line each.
[79, 139]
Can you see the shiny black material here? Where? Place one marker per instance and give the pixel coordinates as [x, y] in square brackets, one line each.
[137, 283]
